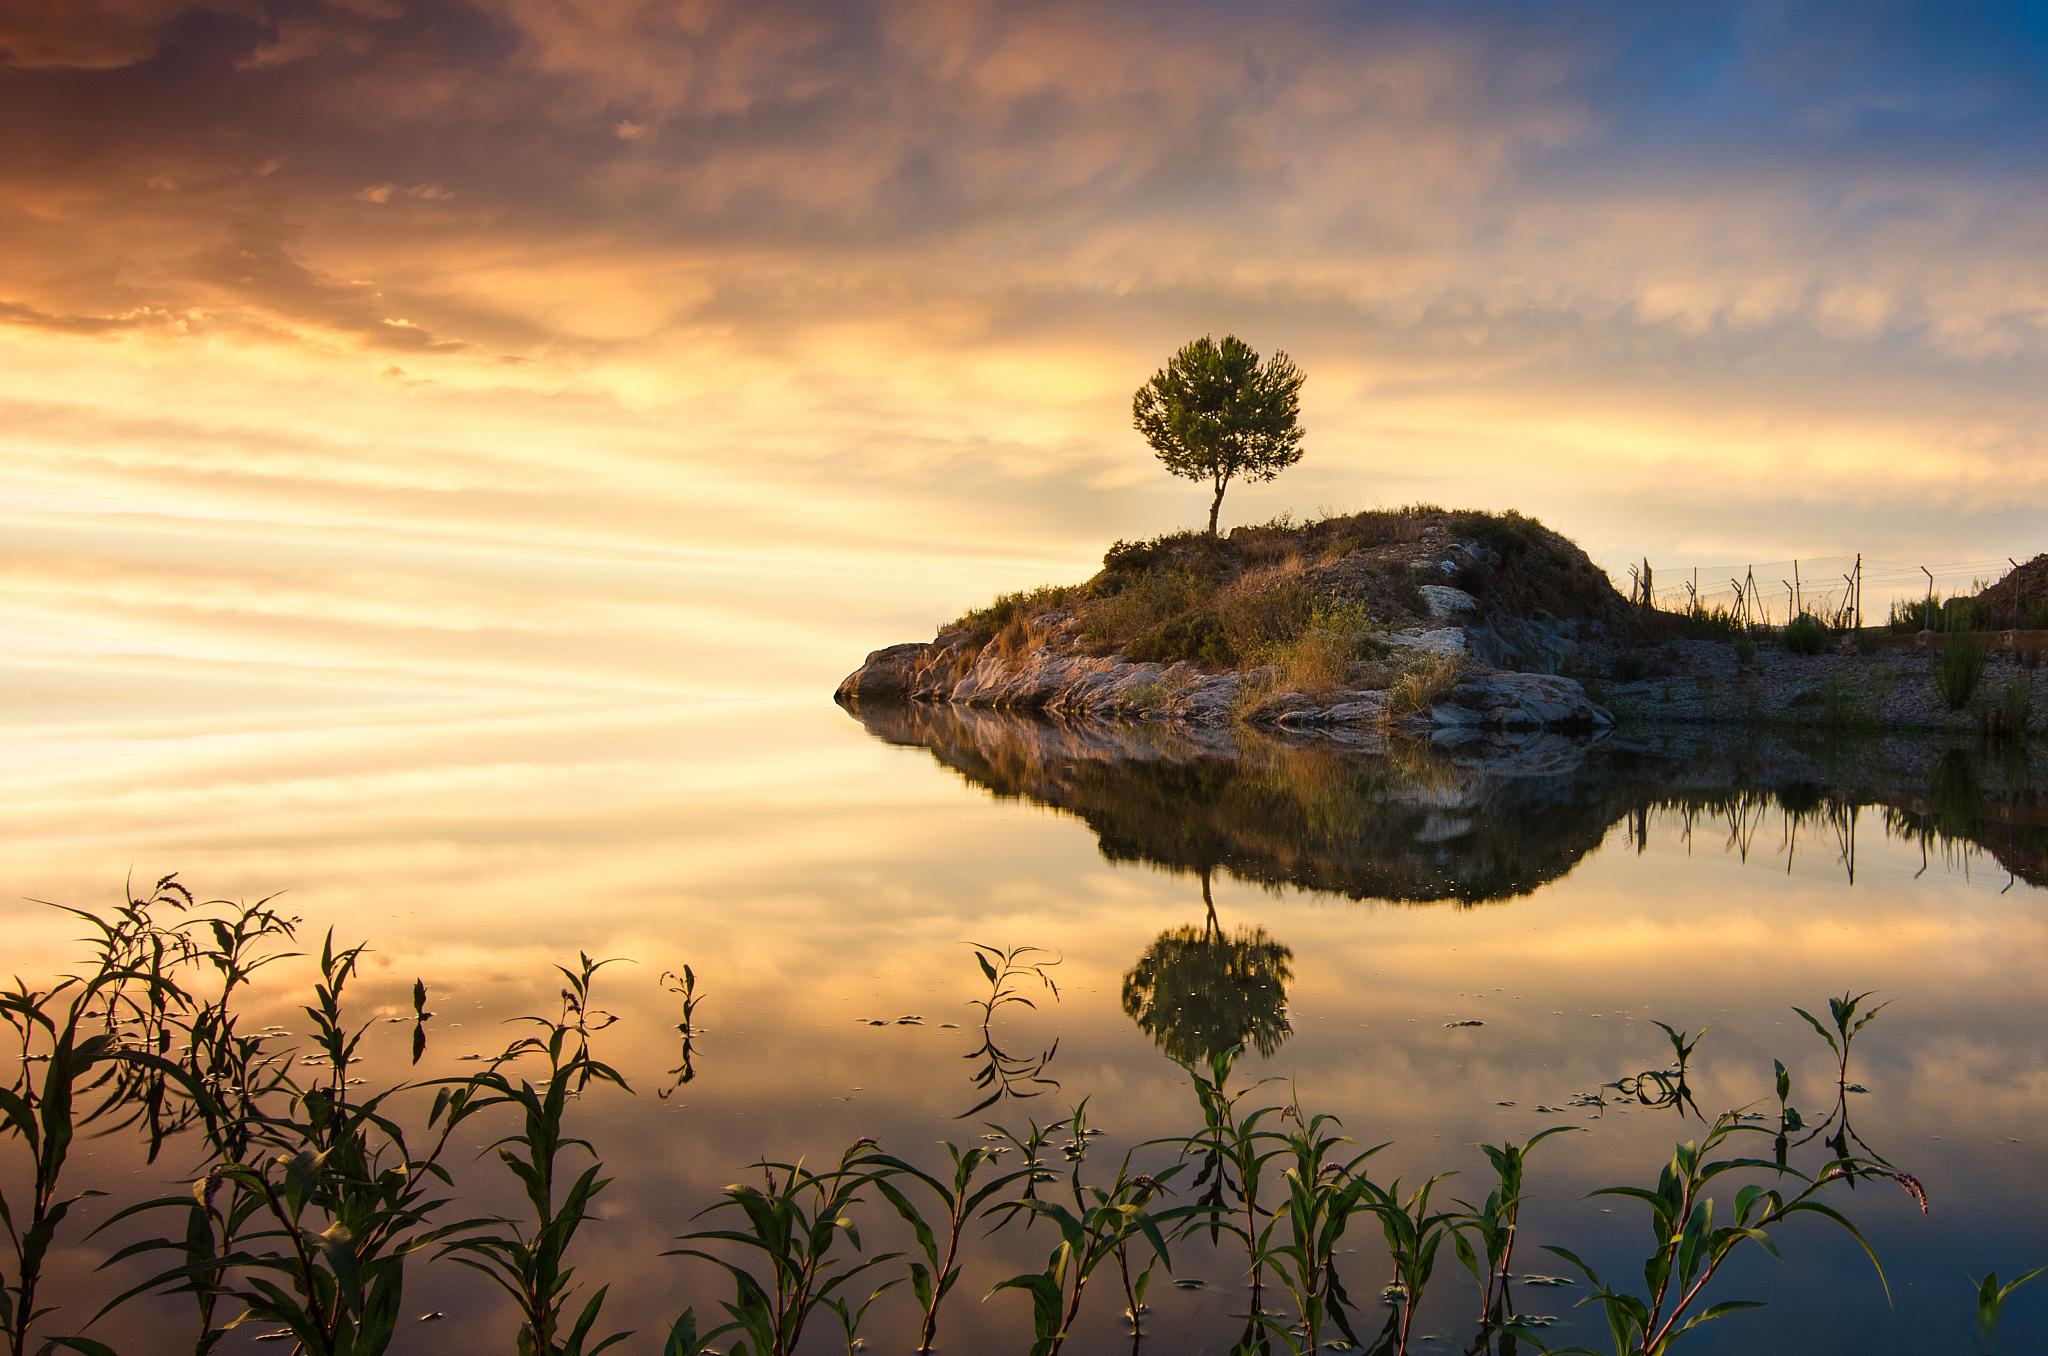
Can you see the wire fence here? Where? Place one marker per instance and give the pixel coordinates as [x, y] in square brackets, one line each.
[1843, 590]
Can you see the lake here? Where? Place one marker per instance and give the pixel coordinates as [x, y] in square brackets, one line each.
[1441, 949]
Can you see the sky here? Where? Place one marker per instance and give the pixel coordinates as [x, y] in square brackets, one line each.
[407, 351]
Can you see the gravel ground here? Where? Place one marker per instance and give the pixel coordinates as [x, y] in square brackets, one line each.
[1707, 681]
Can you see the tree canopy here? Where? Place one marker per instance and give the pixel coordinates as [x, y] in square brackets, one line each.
[1217, 413]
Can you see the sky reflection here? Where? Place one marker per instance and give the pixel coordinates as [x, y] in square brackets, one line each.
[817, 878]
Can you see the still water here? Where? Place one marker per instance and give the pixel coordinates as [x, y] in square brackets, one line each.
[1441, 950]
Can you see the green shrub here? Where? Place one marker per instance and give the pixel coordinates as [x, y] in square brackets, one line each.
[1959, 668]
[2005, 720]
[1806, 634]
[1745, 652]
[986, 622]
[1147, 601]
[1256, 619]
[1841, 707]
[1423, 686]
[1193, 636]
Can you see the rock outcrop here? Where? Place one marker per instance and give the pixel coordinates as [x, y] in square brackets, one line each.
[1465, 640]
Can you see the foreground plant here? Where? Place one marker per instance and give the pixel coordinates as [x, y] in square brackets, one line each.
[1493, 1224]
[1233, 1149]
[1690, 1250]
[1095, 1224]
[79, 1085]
[1991, 1298]
[962, 1195]
[1415, 1234]
[528, 1260]
[802, 1240]
[1667, 1087]
[1324, 1190]
[314, 1226]
[1000, 1074]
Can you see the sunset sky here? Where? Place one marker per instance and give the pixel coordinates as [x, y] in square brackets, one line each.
[401, 349]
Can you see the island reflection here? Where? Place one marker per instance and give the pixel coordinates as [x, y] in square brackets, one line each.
[1401, 821]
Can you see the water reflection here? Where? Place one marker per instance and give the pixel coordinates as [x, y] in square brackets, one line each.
[1200, 991]
[1493, 821]
[820, 879]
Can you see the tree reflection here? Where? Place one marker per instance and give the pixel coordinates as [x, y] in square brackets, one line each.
[1198, 991]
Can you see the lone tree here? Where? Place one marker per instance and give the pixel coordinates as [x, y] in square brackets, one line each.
[1217, 413]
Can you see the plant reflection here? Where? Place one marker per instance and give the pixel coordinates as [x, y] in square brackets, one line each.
[1000, 1074]
[684, 986]
[1199, 991]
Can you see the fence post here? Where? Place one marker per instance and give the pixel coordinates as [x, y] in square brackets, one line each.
[1927, 620]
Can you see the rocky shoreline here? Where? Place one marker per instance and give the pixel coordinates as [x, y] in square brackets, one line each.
[1091, 687]
[1464, 626]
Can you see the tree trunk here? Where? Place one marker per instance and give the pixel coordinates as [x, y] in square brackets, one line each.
[1216, 504]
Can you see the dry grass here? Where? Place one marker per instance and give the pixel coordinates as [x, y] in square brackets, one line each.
[1317, 660]
[1425, 684]
[1260, 595]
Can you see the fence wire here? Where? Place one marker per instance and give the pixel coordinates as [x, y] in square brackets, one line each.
[1778, 590]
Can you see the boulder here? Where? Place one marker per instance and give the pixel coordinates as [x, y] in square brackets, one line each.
[1521, 701]
[888, 673]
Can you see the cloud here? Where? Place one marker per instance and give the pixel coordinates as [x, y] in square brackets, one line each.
[96, 34]
[15, 313]
[872, 265]
[380, 194]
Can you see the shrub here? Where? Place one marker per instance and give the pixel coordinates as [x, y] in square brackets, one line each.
[1841, 707]
[1193, 636]
[1959, 668]
[1806, 634]
[1259, 615]
[1320, 656]
[1143, 603]
[1745, 652]
[1424, 685]
[2005, 720]
[987, 622]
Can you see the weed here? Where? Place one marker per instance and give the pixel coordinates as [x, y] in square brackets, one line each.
[1991, 1298]
[1806, 634]
[961, 1198]
[683, 985]
[800, 1225]
[2006, 720]
[1232, 1149]
[1493, 1224]
[1689, 1250]
[529, 1261]
[1424, 685]
[999, 1073]
[1324, 1190]
[1958, 668]
[1415, 1234]
[1095, 1224]
[1848, 1017]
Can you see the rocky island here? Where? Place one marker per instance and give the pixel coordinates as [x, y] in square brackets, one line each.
[1417, 618]
[1456, 625]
